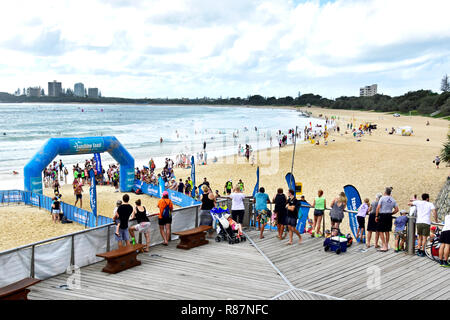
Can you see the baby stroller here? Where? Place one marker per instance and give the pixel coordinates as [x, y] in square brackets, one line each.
[223, 228]
[337, 242]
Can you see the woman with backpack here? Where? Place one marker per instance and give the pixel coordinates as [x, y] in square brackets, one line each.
[165, 206]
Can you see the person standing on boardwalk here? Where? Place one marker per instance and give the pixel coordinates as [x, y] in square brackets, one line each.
[165, 206]
[208, 202]
[292, 216]
[444, 249]
[372, 224]
[337, 210]
[361, 218]
[280, 211]
[424, 209]
[237, 205]
[143, 223]
[319, 205]
[383, 217]
[263, 214]
[124, 211]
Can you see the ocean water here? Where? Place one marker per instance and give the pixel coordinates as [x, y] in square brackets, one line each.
[24, 128]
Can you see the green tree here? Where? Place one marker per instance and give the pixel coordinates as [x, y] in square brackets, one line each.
[445, 84]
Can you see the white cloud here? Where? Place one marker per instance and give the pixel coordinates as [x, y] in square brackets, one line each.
[195, 48]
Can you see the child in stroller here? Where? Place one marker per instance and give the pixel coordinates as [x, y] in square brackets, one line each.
[227, 229]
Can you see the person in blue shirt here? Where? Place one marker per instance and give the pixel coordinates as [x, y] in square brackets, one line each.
[400, 231]
[263, 213]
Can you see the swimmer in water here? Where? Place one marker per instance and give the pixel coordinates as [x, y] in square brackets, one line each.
[160, 140]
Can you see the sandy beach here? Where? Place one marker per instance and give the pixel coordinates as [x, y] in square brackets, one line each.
[378, 160]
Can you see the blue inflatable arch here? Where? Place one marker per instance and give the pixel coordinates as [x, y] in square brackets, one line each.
[70, 146]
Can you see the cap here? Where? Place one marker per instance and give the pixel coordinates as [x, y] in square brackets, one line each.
[226, 216]
[165, 193]
[403, 211]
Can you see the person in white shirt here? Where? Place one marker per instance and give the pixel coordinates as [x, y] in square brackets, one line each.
[237, 205]
[444, 239]
[424, 208]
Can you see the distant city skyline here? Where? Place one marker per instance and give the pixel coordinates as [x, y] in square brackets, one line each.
[235, 48]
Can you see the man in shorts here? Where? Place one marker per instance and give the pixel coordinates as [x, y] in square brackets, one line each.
[424, 208]
[383, 217]
[263, 213]
[124, 211]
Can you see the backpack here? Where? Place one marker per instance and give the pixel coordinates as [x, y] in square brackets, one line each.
[166, 212]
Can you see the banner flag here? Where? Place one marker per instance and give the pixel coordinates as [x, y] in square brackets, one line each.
[98, 163]
[93, 192]
[353, 203]
[256, 189]
[162, 186]
[303, 216]
[193, 176]
[290, 181]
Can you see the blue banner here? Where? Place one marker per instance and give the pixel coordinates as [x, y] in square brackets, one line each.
[98, 163]
[353, 203]
[303, 216]
[178, 198]
[290, 181]
[93, 192]
[256, 188]
[193, 176]
[72, 213]
[161, 186]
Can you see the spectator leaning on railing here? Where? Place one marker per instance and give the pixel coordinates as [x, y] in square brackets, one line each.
[424, 209]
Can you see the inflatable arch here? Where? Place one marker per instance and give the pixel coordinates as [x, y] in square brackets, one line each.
[70, 146]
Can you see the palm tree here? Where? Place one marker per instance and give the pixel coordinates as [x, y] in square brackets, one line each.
[445, 153]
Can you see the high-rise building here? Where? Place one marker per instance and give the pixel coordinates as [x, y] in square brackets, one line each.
[54, 89]
[368, 91]
[93, 92]
[79, 89]
[34, 91]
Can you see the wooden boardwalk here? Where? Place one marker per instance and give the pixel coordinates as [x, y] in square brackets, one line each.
[272, 270]
[346, 276]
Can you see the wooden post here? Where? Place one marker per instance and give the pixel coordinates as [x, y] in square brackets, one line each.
[411, 235]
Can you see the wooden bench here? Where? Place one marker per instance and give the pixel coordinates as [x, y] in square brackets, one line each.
[122, 258]
[17, 290]
[193, 237]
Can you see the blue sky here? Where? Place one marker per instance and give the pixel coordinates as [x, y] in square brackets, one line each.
[196, 48]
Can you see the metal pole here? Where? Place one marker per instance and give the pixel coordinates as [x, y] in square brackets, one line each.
[72, 253]
[108, 245]
[411, 235]
[293, 153]
[196, 216]
[32, 263]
